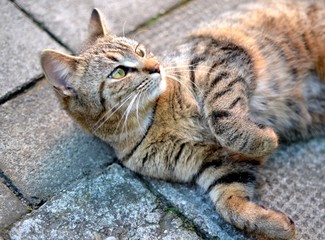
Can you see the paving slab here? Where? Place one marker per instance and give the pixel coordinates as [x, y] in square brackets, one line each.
[41, 149]
[163, 34]
[11, 208]
[20, 42]
[114, 205]
[197, 207]
[292, 181]
[295, 184]
[68, 20]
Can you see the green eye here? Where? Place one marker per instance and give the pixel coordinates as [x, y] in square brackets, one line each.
[118, 73]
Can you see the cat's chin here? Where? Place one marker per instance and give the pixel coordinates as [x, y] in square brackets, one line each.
[159, 88]
[162, 83]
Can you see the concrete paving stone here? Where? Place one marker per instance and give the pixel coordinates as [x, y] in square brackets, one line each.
[20, 43]
[41, 148]
[11, 208]
[68, 20]
[197, 207]
[168, 30]
[292, 182]
[114, 205]
[295, 184]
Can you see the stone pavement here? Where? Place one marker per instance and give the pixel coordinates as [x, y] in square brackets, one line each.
[60, 183]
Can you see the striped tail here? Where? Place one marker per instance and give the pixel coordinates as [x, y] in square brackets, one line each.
[230, 184]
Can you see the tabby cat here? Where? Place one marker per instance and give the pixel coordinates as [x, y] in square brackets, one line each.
[210, 112]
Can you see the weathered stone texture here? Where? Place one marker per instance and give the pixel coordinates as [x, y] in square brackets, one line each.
[41, 148]
[11, 208]
[21, 43]
[114, 205]
[68, 20]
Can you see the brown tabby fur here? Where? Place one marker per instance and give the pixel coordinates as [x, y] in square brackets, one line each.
[212, 111]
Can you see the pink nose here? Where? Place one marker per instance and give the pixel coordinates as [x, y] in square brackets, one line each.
[156, 68]
[151, 67]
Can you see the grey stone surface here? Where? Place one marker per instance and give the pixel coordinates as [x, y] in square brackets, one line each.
[20, 43]
[295, 183]
[168, 30]
[68, 20]
[197, 207]
[292, 181]
[11, 208]
[114, 205]
[41, 149]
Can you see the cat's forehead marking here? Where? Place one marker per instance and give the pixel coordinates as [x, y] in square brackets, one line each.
[124, 43]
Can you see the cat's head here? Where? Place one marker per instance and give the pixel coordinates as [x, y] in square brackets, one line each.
[113, 79]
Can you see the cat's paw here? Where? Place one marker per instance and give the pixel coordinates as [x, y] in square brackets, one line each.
[245, 137]
[266, 143]
[276, 225]
[258, 143]
[257, 220]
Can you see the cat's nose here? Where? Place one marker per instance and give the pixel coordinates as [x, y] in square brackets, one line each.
[151, 66]
[155, 69]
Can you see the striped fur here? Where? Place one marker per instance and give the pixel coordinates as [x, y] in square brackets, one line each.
[210, 113]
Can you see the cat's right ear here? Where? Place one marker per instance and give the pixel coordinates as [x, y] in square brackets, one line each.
[59, 69]
[97, 27]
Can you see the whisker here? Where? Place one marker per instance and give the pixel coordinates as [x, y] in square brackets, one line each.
[106, 119]
[128, 110]
[118, 105]
[124, 28]
[189, 70]
[127, 97]
[125, 114]
[137, 112]
[184, 66]
[183, 84]
[176, 78]
[120, 121]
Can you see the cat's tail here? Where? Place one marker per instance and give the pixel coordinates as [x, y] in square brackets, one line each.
[230, 184]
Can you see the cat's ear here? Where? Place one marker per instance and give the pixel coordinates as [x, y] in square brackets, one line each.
[97, 27]
[59, 68]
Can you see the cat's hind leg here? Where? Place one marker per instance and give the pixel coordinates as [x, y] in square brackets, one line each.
[314, 97]
[230, 185]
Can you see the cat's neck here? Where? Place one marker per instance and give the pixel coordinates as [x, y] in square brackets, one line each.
[130, 133]
[126, 142]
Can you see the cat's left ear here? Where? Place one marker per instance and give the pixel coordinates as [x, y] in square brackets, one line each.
[59, 69]
[97, 27]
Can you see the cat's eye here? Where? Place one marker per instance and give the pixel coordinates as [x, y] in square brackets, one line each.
[118, 73]
[140, 52]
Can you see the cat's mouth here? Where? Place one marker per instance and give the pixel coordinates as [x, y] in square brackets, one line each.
[158, 83]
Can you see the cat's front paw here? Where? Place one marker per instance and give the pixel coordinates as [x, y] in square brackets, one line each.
[257, 142]
[241, 135]
[266, 143]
